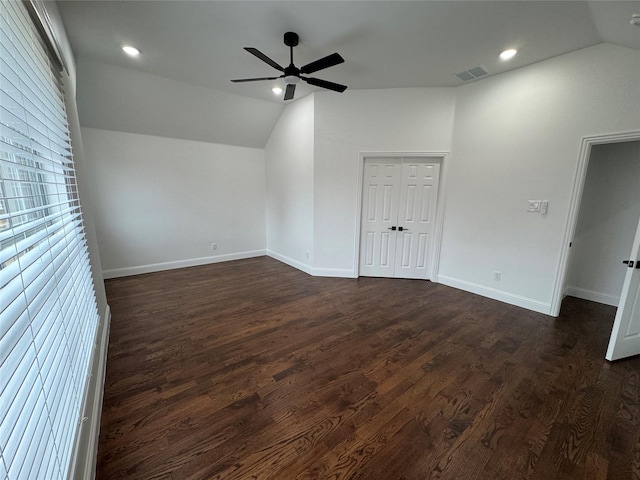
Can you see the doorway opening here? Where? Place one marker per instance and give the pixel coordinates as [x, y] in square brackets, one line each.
[574, 208]
[602, 232]
[605, 227]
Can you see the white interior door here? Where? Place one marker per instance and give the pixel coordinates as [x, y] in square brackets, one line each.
[380, 195]
[416, 218]
[398, 217]
[625, 336]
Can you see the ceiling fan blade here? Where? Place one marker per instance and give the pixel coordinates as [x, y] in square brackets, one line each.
[325, 62]
[336, 87]
[239, 80]
[288, 93]
[264, 58]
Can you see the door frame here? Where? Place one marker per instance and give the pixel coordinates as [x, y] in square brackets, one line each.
[437, 237]
[574, 207]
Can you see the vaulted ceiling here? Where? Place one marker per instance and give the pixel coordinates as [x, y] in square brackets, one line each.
[385, 44]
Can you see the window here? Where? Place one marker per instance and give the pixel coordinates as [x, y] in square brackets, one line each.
[48, 312]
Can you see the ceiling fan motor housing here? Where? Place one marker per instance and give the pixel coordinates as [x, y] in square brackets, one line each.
[292, 75]
[291, 39]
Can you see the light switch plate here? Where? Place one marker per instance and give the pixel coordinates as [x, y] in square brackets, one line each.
[534, 206]
[544, 207]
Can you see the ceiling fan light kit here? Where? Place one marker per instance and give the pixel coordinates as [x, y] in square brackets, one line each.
[292, 75]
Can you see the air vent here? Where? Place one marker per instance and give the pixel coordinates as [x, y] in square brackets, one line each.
[472, 73]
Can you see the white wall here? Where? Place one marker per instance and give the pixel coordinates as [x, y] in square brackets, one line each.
[517, 137]
[392, 120]
[160, 202]
[289, 179]
[607, 222]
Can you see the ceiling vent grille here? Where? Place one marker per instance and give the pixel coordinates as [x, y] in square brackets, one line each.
[472, 73]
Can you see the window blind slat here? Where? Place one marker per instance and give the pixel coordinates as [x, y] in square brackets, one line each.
[28, 451]
[12, 350]
[29, 388]
[10, 217]
[24, 404]
[32, 59]
[44, 310]
[48, 313]
[53, 222]
[11, 305]
[42, 431]
[18, 158]
[7, 270]
[13, 131]
[15, 369]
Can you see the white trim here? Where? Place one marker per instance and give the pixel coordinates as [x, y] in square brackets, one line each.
[396, 154]
[358, 219]
[83, 465]
[517, 300]
[309, 270]
[593, 296]
[574, 207]
[291, 262]
[334, 272]
[437, 239]
[191, 262]
[439, 226]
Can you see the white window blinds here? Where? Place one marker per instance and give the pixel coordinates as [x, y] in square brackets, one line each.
[48, 312]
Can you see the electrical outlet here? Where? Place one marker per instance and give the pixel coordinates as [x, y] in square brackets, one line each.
[214, 246]
[497, 275]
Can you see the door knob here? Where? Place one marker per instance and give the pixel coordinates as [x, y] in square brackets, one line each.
[402, 229]
[626, 262]
[393, 228]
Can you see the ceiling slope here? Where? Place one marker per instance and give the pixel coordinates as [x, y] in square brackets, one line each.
[386, 44]
[190, 50]
[126, 100]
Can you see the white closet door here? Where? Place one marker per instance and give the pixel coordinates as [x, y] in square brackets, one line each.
[416, 218]
[398, 217]
[380, 195]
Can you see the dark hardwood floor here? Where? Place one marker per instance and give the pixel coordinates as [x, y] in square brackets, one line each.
[254, 370]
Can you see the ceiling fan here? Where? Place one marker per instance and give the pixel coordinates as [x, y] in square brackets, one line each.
[292, 74]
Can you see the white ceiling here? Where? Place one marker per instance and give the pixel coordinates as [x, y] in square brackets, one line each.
[385, 44]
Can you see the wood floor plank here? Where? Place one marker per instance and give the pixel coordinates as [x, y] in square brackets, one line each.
[254, 370]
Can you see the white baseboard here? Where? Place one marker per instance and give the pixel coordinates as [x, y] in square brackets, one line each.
[592, 296]
[334, 272]
[191, 262]
[517, 300]
[291, 262]
[86, 447]
[315, 272]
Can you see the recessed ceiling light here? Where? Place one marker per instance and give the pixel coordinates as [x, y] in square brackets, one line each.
[276, 90]
[508, 54]
[131, 51]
